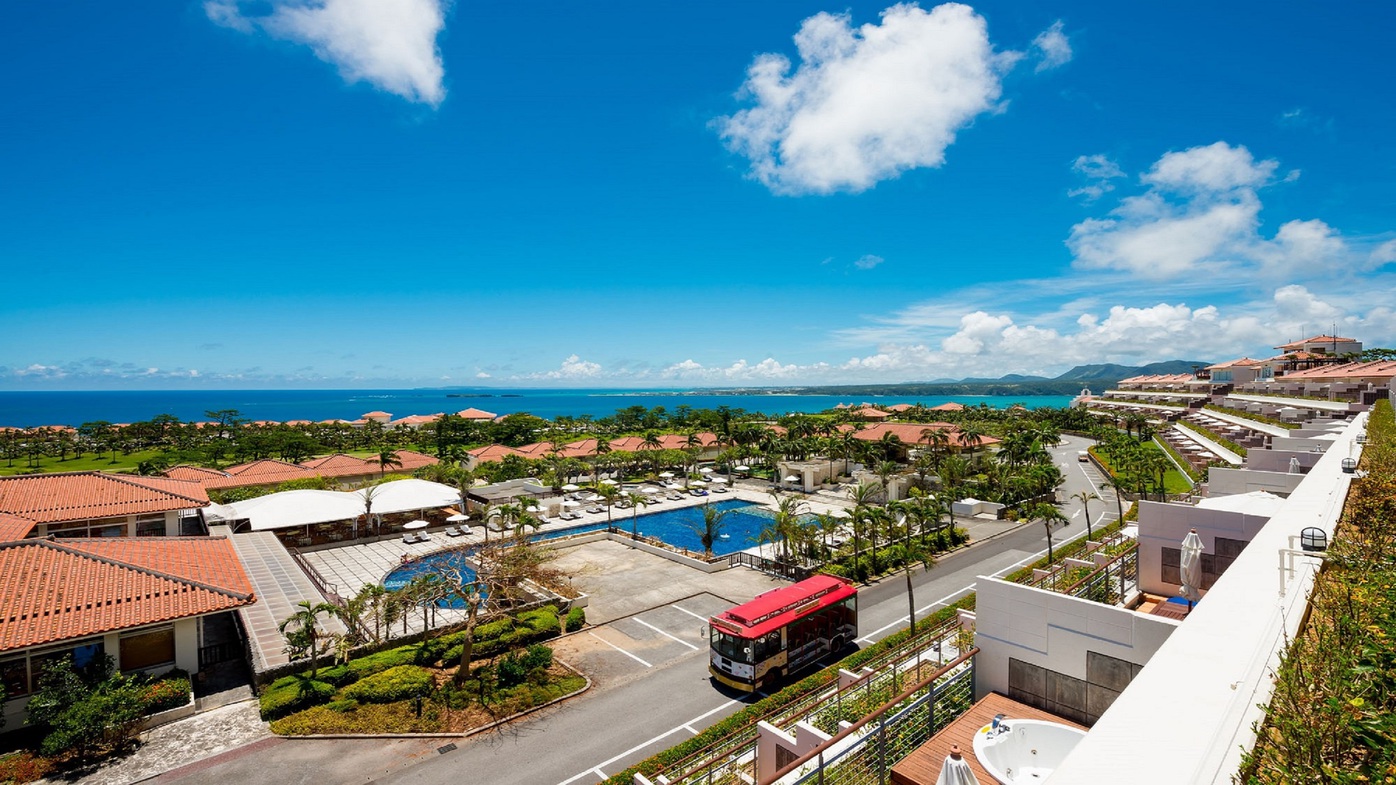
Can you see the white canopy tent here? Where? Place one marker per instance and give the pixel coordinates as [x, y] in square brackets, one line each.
[289, 509]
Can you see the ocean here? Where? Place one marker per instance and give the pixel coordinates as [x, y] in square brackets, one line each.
[30, 409]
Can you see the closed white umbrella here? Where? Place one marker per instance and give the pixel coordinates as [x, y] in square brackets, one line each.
[1190, 568]
[956, 770]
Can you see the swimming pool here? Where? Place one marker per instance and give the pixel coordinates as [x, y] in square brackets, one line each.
[433, 563]
[742, 526]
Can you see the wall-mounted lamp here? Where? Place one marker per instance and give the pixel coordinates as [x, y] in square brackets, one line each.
[1313, 539]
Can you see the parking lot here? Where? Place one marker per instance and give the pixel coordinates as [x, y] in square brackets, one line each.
[653, 639]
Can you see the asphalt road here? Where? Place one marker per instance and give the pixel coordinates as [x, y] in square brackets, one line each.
[652, 688]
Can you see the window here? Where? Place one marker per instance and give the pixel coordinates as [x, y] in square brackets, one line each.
[14, 675]
[150, 526]
[147, 649]
[87, 657]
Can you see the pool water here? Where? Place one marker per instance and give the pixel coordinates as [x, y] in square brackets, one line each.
[435, 563]
[741, 527]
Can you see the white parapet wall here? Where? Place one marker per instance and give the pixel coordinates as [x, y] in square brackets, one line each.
[1191, 712]
[1165, 525]
[1058, 643]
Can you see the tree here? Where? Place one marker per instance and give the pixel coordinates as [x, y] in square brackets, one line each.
[609, 494]
[386, 458]
[1115, 486]
[1050, 516]
[863, 495]
[711, 529]
[303, 637]
[923, 557]
[1086, 497]
[637, 500]
[85, 709]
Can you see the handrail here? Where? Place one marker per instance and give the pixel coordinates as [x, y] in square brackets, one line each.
[881, 710]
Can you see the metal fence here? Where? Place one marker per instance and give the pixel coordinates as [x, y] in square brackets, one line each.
[791, 572]
[865, 753]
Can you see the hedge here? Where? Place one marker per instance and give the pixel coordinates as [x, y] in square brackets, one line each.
[576, 619]
[1252, 416]
[392, 685]
[748, 716]
[290, 698]
[171, 691]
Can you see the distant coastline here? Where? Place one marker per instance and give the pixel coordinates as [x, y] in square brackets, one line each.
[37, 408]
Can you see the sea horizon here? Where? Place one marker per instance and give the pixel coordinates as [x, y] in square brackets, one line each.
[29, 409]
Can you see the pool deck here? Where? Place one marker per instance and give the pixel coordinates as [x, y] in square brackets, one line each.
[922, 767]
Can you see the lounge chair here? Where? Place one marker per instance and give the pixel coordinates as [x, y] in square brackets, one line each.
[673, 497]
[571, 516]
[453, 531]
[409, 538]
[594, 510]
[698, 492]
[719, 490]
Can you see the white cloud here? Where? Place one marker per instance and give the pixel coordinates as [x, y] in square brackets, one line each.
[1098, 170]
[482, 375]
[1052, 47]
[390, 44]
[866, 104]
[1216, 168]
[868, 261]
[574, 367]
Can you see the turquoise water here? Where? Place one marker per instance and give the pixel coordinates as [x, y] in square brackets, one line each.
[431, 564]
[29, 409]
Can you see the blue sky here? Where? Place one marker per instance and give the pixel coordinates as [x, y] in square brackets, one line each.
[351, 193]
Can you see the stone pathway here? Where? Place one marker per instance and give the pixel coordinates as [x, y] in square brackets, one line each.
[181, 743]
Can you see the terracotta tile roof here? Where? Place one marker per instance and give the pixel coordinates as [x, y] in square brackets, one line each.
[14, 527]
[59, 590]
[493, 452]
[1244, 362]
[951, 406]
[1159, 378]
[339, 462]
[900, 407]
[1316, 339]
[195, 473]
[476, 414]
[871, 413]
[265, 467]
[910, 433]
[1375, 369]
[48, 498]
[416, 419]
[383, 415]
[411, 460]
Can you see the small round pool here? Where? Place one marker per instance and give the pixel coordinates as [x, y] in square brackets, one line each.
[433, 563]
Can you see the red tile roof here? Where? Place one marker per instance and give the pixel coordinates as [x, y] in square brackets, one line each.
[476, 414]
[48, 498]
[195, 473]
[910, 433]
[901, 407]
[1316, 339]
[950, 406]
[868, 412]
[13, 527]
[1379, 369]
[59, 590]
[1244, 362]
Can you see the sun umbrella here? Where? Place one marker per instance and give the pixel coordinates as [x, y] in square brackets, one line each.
[666, 475]
[956, 770]
[697, 482]
[570, 503]
[706, 470]
[458, 517]
[742, 468]
[609, 482]
[647, 490]
[792, 478]
[569, 487]
[717, 479]
[415, 525]
[1190, 568]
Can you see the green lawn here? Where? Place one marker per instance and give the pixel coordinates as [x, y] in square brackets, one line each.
[1174, 481]
[86, 463]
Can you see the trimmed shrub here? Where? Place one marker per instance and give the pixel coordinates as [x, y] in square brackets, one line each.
[542, 622]
[300, 694]
[576, 619]
[538, 656]
[170, 692]
[394, 684]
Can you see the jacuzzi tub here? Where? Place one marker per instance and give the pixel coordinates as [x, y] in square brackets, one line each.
[1029, 752]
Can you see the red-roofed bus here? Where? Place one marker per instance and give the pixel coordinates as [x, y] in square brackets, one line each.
[778, 633]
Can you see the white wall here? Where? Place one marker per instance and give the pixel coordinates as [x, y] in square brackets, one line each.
[1053, 631]
[1278, 460]
[1165, 525]
[187, 644]
[1227, 482]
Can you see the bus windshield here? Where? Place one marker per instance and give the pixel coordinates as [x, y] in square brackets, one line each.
[731, 647]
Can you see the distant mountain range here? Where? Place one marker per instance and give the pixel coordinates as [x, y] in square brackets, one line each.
[1097, 377]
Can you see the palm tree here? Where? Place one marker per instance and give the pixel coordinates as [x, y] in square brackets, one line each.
[787, 520]
[387, 457]
[937, 441]
[971, 435]
[1050, 516]
[828, 523]
[637, 500]
[1119, 501]
[711, 529]
[863, 496]
[1086, 497]
[303, 629]
[609, 494]
[884, 472]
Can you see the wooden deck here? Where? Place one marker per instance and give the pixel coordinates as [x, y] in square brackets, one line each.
[922, 767]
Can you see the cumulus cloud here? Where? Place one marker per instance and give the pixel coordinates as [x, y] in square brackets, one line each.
[868, 103]
[390, 44]
[574, 367]
[868, 261]
[1200, 215]
[1051, 48]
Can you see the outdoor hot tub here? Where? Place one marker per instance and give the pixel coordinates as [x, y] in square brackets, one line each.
[1029, 751]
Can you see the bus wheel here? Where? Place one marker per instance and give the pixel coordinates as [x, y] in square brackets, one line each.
[776, 676]
[836, 644]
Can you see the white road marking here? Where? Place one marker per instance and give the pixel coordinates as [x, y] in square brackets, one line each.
[665, 634]
[619, 649]
[689, 612]
[685, 726]
[690, 729]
